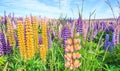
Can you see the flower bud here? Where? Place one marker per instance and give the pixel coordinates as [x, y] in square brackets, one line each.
[67, 64]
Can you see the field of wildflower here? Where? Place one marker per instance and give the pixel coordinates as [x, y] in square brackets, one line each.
[43, 44]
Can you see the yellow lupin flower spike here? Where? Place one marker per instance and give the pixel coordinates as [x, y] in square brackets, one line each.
[10, 33]
[21, 39]
[29, 39]
[44, 48]
[35, 33]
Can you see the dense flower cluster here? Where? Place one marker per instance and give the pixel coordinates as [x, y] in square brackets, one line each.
[21, 39]
[79, 25]
[35, 33]
[108, 45]
[10, 33]
[1, 46]
[65, 33]
[29, 39]
[44, 46]
[71, 53]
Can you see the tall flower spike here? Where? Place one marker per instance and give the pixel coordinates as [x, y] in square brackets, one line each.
[79, 25]
[71, 53]
[10, 34]
[29, 39]
[106, 42]
[44, 42]
[35, 33]
[2, 40]
[1, 46]
[49, 38]
[21, 39]
[65, 33]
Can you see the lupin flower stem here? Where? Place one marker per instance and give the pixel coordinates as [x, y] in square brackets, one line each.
[29, 40]
[43, 50]
[21, 40]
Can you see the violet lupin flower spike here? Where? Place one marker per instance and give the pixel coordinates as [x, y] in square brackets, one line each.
[1, 46]
[65, 33]
[79, 25]
[106, 42]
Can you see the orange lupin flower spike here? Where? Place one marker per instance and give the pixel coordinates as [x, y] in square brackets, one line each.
[44, 41]
[21, 40]
[72, 55]
[35, 33]
[10, 33]
[29, 39]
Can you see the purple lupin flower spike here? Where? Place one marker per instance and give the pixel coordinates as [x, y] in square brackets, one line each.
[95, 31]
[49, 38]
[4, 45]
[9, 48]
[1, 46]
[40, 39]
[113, 38]
[111, 28]
[3, 41]
[1, 49]
[95, 26]
[103, 25]
[110, 45]
[79, 25]
[65, 33]
[106, 42]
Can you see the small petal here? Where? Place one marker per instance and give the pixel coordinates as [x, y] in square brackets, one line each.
[77, 47]
[67, 64]
[71, 67]
[77, 63]
[68, 48]
[68, 56]
[76, 55]
[71, 49]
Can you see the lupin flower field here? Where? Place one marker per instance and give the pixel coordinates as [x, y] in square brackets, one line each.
[35, 43]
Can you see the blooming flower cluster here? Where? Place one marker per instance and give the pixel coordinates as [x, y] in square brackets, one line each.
[21, 39]
[44, 46]
[71, 53]
[108, 45]
[65, 33]
[35, 33]
[79, 25]
[29, 39]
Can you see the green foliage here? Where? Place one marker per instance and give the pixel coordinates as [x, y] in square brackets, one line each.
[113, 58]
[2, 62]
[97, 37]
[39, 30]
